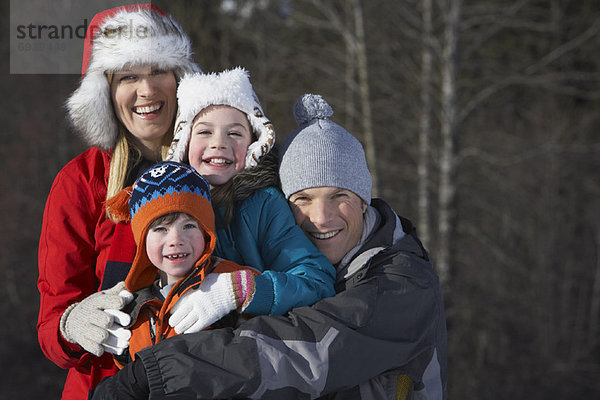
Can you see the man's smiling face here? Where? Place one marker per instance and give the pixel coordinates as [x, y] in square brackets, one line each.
[331, 217]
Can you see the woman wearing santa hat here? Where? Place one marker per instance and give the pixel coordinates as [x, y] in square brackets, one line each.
[124, 108]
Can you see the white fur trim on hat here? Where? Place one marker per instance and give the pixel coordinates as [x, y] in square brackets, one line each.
[231, 88]
[141, 36]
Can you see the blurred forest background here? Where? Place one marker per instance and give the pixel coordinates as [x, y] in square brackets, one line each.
[480, 120]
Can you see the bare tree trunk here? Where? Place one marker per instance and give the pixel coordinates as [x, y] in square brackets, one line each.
[447, 186]
[363, 84]
[349, 74]
[423, 170]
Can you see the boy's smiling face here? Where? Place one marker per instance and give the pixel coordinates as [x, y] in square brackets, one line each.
[175, 247]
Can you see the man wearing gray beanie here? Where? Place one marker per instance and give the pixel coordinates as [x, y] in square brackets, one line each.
[323, 157]
[382, 336]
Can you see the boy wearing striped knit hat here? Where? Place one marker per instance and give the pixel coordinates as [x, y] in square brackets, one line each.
[174, 228]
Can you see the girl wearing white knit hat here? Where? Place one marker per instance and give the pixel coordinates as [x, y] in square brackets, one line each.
[124, 107]
[224, 134]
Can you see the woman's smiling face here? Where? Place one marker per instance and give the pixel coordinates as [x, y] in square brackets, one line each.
[144, 100]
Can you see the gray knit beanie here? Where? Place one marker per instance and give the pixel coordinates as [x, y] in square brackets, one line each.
[322, 153]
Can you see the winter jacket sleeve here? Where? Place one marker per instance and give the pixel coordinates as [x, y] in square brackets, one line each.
[386, 319]
[74, 232]
[294, 272]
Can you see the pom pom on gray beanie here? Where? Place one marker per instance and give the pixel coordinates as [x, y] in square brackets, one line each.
[322, 153]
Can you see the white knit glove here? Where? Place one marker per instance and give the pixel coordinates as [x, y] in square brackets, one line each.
[90, 325]
[118, 338]
[215, 297]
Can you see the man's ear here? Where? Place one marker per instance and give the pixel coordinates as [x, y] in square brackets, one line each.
[364, 206]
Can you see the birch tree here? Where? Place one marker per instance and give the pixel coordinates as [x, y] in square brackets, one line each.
[423, 169]
[448, 130]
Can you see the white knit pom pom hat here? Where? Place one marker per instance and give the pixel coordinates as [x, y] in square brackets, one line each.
[139, 34]
[231, 88]
[322, 153]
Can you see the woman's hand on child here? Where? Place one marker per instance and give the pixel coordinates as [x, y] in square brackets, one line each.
[215, 297]
[87, 323]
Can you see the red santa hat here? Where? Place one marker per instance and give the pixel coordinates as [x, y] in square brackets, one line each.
[139, 34]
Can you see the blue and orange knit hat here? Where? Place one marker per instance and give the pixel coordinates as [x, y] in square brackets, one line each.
[164, 188]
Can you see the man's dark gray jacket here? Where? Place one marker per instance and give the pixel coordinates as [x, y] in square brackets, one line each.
[385, 324]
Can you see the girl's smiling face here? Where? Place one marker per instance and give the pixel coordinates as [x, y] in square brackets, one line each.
[219, 142]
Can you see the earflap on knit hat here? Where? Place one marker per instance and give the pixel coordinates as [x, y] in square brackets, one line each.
[231, 88]
[118, 205]
[166, 188]
[322, 153]
[139, 34]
